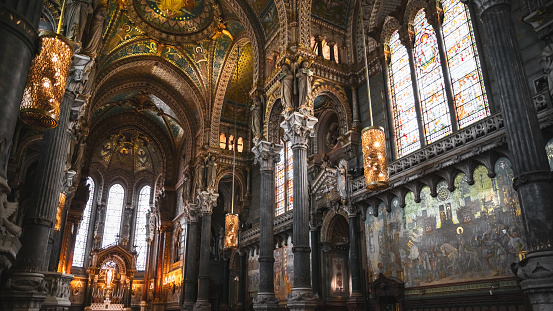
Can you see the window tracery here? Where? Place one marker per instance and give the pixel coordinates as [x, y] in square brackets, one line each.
[114, 210]
[140, 227]
[82, 232]
[469, 95]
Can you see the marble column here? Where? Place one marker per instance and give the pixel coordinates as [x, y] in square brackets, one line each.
[208, 200]
[266, 155]
[25, 288]
[355, 301]
[18, 34]
[315, 231]
[192, 259]
[533, 179]
[226, 281]
[297, 130]
[355, 107]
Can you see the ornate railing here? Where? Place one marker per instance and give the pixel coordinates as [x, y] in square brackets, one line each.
[282, 223]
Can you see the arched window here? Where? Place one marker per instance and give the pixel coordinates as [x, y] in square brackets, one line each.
[140, 227]
[469, 95]
[231, 142]
[471, 103]
[114, 209]
[403, 105]
[82, 233]
[223, 141]
[430, 80]
[284, 181]
[240, 144]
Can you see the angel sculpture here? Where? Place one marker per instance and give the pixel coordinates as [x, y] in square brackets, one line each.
[221, 30]
[8, 212]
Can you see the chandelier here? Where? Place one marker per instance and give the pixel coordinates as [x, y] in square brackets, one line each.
[373, 139]
[46, 80]
[231, 219]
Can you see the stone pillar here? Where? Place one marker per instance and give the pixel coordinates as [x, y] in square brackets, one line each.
[242, 277]
[319, 41]
[18, 34]
[192, 259]
[26, 284]
[208, 200]
[355, 108]
[355, 301]
[297, 130]
[533, 180]
[226, 280]
[266, 154]
[144, 294]
[331, 45]
[315, 230]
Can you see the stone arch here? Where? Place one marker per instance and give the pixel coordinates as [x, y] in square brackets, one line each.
[390, 26]
[239, 178]
[121, 262]
[327, 221]
[339, 103]
[282, 11]
[412, 8]
[325, 120]
[270, 102]
[272, 122]
[230, 63]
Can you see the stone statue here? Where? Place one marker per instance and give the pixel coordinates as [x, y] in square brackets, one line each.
[8, 213]
[76, 15]
[546, 62]
[341, 174]
[212, 173]
[287, 85]
[304, 76]
[94, 37]
[200, 173]
[256, 115]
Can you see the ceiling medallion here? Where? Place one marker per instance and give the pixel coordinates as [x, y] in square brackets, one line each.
[174, 21]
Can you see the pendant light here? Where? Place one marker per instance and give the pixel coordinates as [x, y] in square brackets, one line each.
[373, 139]
[231, 219]
[46, 80]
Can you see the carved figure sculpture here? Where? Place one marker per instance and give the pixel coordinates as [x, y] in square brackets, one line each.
[75, 19]
[341, 173]
[8, 210]
[212, 173]
[200, 184]
[256, 115]
[96, 28]
[304, 76]
[546, 62]
[287, 85]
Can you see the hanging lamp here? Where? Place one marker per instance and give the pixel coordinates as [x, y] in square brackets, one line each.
[373, 139]
[46, 80]
[231, 219]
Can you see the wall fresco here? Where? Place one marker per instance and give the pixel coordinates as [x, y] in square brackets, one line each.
[474, 232]
[253, 273]
[284, 271]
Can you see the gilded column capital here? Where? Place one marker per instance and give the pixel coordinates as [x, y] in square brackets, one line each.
[298, 128]
[207, 201]
[266, 154]
[483, 5]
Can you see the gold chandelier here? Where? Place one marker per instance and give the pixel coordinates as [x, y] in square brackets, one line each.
[46, 82]
[231, 220]
[373, 139]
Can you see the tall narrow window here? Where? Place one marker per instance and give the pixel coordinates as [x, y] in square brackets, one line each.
[82, 233]
[434, 108]
[469, 94]
[284, 181]
[223, 141]
[140, 228]
[114, 209]
[401, 89]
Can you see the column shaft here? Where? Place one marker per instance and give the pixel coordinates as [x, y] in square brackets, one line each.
[192, 260]
[41, 215]
[202, 303]
[315, 261]
[354, 264]
[300, 239]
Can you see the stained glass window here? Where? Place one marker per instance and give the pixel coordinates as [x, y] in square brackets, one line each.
[434, 108]
[403, 103]
[114, 209]
[284, 181]
[469, 94]
[82, 233]
[280, 183]
[140, 228]
[223, 141]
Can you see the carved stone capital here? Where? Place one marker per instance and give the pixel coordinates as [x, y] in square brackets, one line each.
[298, 128]
[265, 302]
[536, 270]
[483, 5]
[302, 299]
[192, 212]
[351, 210]
[58, 286]
[207, 200]
[79, 73]
[266, 154]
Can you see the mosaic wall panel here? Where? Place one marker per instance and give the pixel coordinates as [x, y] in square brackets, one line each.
[284, 271]
[474, 232]
[253, 273]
